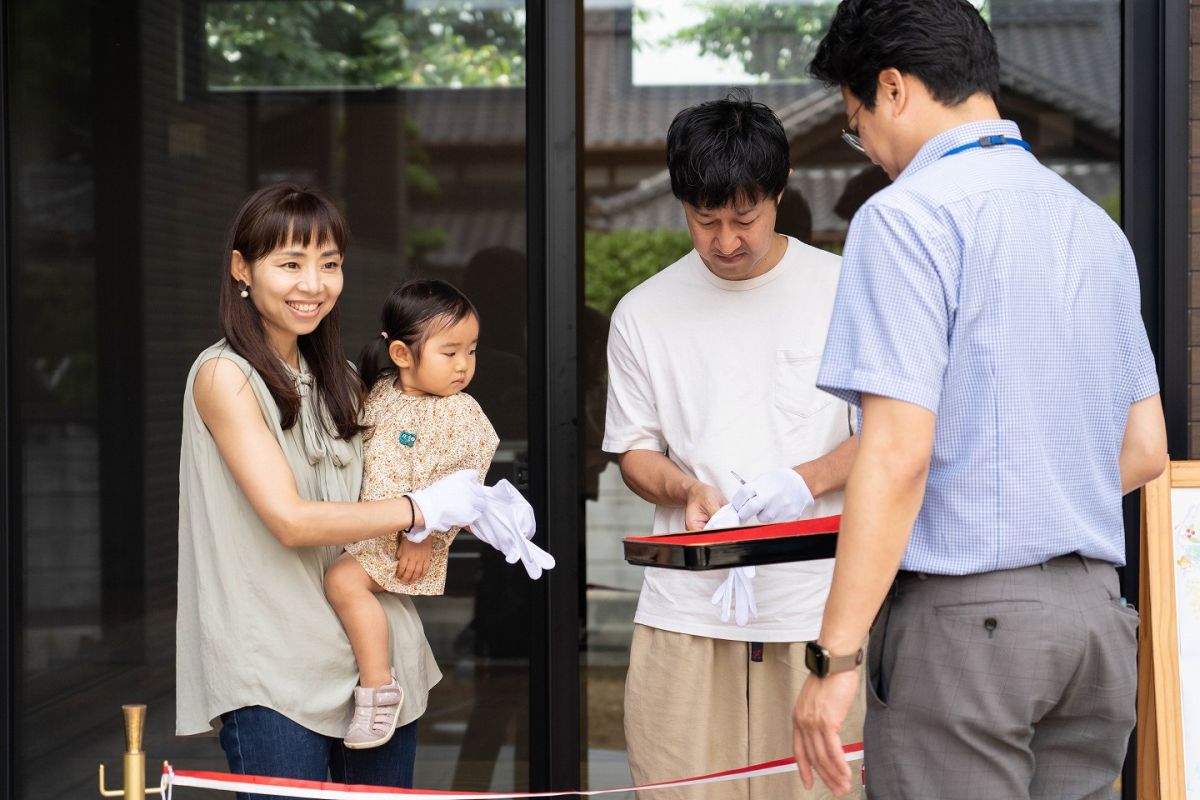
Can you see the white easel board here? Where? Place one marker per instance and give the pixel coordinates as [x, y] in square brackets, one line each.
[1169, 641]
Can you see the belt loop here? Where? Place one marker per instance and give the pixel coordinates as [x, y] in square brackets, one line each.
[1083, 560]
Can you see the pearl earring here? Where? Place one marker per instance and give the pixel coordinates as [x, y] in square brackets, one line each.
[245, 293]
[245, 289]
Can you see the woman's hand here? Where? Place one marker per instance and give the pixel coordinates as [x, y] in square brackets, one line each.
[413, 559]
[455, 501]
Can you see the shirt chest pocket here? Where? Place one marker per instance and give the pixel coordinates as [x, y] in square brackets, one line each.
[796, 389]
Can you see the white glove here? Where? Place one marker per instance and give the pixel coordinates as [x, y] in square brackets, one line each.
[725, 517]
[737, 593]
[532, 557]
[453, 502]
[507, 524]
[779, 495]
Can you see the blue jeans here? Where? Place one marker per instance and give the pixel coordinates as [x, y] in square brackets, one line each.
[260, 741]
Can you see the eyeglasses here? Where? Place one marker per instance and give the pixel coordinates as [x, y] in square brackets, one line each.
[850, 133]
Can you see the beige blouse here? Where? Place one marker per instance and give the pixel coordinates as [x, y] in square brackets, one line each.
[412, 442]
[254, 627]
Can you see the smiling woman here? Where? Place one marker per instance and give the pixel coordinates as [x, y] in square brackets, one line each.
[295, 286]
[284, 255]
[269, 480]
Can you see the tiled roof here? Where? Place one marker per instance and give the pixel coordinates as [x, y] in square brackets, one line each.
[1065, 53]
[492, 116]
[1059, 52]
[618, 114]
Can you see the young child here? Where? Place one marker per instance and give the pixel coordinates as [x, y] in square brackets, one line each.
[421, 427]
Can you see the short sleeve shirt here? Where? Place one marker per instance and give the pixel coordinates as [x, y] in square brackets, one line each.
[985, 288]
[411, 442]
[721, 377]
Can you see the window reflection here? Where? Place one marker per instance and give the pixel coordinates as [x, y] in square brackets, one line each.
[363, 44]
[131, 148]
[645, 60]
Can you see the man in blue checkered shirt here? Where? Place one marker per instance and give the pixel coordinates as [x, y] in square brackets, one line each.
[987, 323]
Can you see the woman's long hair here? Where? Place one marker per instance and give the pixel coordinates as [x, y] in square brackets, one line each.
[411, 314]
[272, 217]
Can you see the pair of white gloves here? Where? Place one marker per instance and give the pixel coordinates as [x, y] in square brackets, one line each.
[779, 495]
[498, 515]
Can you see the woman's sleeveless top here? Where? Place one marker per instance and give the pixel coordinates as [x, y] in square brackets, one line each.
[254, 627]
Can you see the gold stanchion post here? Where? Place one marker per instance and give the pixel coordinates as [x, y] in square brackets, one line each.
[135, 758]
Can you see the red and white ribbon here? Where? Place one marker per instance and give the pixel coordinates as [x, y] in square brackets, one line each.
[321, 790]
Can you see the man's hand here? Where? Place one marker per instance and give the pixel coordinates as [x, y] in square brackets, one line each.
[413, 559]
[817, 721]
[702, 502]
[779, 495]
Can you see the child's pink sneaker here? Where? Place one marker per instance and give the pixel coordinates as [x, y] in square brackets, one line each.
[375, 714]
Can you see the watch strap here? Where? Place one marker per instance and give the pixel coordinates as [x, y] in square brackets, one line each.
[845, 663]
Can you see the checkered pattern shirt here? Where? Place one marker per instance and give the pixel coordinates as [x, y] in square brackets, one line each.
[985, 288]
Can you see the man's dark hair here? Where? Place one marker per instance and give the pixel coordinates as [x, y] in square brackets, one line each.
[944, 43]
[723, 151]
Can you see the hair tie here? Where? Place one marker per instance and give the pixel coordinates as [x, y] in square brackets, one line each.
[383, 334]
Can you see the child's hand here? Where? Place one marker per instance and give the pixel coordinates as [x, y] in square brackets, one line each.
[413, 559]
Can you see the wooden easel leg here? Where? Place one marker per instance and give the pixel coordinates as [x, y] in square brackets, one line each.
[1147, 724]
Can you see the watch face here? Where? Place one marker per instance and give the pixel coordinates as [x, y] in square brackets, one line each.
[816, 658]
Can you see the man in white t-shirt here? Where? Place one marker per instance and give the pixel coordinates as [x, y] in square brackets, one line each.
[712, 366]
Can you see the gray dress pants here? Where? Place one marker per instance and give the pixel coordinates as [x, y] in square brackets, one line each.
[1009, 685]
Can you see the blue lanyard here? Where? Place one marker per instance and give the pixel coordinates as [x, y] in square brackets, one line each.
[989, 141]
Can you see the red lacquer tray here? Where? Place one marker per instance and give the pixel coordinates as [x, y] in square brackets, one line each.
[805, 540]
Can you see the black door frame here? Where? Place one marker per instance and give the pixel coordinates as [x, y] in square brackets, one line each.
[553, 112]
[554, 243]
[1154, 204]
[1154, 199]
[9, 576]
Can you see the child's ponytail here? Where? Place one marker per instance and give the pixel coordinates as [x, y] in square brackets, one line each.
[373, 361]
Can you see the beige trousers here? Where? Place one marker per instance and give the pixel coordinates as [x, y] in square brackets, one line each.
[695, 705]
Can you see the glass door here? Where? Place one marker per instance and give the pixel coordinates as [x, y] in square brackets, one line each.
[644, 61]
[135, 131]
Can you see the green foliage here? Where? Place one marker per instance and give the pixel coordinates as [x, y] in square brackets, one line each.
[774, 41]
[616, 262]
[366, 43]
[771, 40]
[423, 241]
